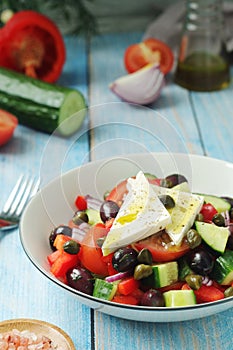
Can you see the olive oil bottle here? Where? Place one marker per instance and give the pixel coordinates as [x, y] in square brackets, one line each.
[203, 60]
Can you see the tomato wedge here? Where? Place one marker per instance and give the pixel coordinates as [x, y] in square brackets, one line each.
[161, 248]
[149, 51]
[8, 123]
[91, 254]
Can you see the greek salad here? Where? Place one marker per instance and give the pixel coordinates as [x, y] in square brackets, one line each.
[149, 242]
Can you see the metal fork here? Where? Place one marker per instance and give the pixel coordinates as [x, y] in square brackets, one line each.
[23, 190]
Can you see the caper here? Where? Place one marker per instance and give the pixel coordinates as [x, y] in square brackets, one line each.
[228, 292]
[193, 238]
[144, 257]
[166, 183]
[142, 271]
[80, 217]
[106, 194]
[167, 201]
[218, 220]
[100, 241]
[194, 281]
[71, 247]
[199, 217]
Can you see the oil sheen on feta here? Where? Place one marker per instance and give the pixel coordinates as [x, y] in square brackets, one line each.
[140, 215]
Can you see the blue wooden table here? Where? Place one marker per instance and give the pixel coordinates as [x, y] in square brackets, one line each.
[202, 125]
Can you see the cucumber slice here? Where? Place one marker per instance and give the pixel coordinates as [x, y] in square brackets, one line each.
[179, 298]
[93, 216]
[104, 290]
[40, 105]
[165, 274]
[223, 268]
[215, 236]
[220, 204]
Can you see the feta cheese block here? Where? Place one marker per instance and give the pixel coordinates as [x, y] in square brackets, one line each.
[187, 206]
[141, 215]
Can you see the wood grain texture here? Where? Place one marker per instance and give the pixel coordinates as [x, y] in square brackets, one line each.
[189, 130]
[191, 122]
[24, 292]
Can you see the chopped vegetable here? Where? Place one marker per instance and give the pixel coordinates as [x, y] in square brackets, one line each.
[150, 50]
[128, 285]
[142, 87]
[154, 271]
[32, 44]
[8, 123]
[81, 203]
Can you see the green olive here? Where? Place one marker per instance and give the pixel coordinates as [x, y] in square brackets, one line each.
[218, 220]
[71, 247]
[142, 271]
[194, 281]
[167, 201]
[144, 257]
[193, 238]
[228, 292]
[80, 217]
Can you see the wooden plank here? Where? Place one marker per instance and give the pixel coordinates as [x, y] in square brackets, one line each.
[114, 133]
[24, 291]
[169, 120]
[214, 116]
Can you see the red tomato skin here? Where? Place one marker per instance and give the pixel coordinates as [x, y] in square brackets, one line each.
[8, 123]
[28, 24]
[150, 50]
[81, 203]
[125, 299]
[159, 252]
[63, 263]
[208, 211]
[128, 286]
[91, 255]
[118, 192]
[207, 294]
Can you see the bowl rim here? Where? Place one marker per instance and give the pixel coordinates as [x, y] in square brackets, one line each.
[138, 308]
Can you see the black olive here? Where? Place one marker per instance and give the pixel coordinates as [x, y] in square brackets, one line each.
[152, 297]
[201, 262]
[108, 210]
[80, 279]
[124, 259]
[173, 180]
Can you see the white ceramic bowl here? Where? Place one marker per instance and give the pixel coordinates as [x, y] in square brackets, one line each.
[55, 204]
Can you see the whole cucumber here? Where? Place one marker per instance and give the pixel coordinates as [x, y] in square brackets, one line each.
[40, 105]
